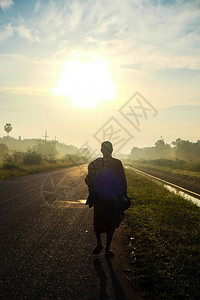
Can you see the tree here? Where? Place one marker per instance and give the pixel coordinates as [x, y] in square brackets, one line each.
[137, 153]
[162, 149]
[47, 148]
[3, 150]
[8, 128]
[84, 152]
[187, 150]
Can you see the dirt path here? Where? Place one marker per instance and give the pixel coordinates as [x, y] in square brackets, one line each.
[47, 241]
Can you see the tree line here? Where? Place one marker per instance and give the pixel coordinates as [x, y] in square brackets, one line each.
[178, 149]
[41, 146]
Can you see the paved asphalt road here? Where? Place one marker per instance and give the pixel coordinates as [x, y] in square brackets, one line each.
[47, 241]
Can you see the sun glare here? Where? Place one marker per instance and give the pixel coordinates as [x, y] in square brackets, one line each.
[85, 83]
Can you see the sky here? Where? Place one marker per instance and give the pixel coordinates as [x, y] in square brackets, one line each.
[86, 71]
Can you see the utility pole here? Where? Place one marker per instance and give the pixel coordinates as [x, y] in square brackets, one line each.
[45, 136]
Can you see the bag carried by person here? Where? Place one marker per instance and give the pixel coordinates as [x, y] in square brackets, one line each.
[91, 198]
[125, 202]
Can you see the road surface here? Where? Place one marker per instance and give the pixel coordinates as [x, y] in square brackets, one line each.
[47, 241]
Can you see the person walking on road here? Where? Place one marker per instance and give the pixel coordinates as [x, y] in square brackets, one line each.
[106, 181]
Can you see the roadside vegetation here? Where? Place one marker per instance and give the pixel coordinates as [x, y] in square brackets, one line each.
[178, 150]
[180, 158]
[21, 157]
[18, 163]
[164, 232]
[176, 167]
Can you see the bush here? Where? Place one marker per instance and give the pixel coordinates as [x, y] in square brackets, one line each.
[74, 159]
[13, 159]
[32, 158]
[3, 150]
[9, 166]
[50, 158]
[174, 164]
[16, 158]
[193, 166]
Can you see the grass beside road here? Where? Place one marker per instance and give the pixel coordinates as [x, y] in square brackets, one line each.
[165, 246]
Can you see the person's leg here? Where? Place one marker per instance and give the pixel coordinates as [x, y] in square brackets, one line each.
[98, 236]
[108, 242]
[99, 246]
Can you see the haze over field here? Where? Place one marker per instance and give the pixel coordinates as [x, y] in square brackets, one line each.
[69, 67]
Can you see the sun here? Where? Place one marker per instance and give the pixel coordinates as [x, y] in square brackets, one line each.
[85, 83]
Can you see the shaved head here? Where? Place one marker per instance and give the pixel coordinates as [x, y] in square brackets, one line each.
[106, 148]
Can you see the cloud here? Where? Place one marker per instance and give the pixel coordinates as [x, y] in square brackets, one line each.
[143, 35]
[6, 4]
[22, 74]
[24, 32]
[6, 32]
[29, 91]
[37, 7]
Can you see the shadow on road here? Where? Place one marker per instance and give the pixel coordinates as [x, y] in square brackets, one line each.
[102, 277]
[119, 294]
